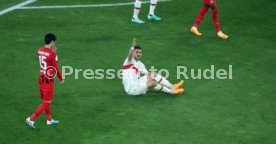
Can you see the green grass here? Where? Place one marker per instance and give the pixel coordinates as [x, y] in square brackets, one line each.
[238, 111]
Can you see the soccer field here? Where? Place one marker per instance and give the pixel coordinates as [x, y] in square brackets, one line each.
[240, 110]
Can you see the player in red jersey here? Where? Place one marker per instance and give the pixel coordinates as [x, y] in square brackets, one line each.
[208, 4]
[48, 70]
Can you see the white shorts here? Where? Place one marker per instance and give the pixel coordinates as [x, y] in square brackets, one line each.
[138, 87]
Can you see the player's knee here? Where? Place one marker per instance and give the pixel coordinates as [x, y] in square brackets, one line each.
[151, 84]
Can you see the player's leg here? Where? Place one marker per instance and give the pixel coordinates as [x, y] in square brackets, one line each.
[158, 87]
[50, 120]
[215, 17]
[30, 120]
[48, 110]
[137, 7]
[217, 23]
[40, 108]
[199, 18]
[38, 111]
[47, 102]
[201, 14]
[152, 84]
[163, 81]
[151, 15]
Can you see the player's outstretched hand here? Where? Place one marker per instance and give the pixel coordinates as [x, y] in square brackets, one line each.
[134, 42]
[62, 82]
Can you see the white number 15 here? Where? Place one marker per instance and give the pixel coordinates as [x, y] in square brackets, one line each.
[43, 64]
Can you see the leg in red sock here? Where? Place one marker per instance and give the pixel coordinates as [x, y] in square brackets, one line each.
[217, 24]
[48, 111]
[215, 18]
[38, 111]
[201, 15]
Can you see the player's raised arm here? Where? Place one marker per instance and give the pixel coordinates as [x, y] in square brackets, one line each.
[131, 51]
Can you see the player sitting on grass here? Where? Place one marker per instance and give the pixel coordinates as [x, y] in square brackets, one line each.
[137, 80]
[151, 16]
[209, 4]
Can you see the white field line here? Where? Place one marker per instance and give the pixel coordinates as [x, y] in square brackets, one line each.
[20, 5]
[85, 6]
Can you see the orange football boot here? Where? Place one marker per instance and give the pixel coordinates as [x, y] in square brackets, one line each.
[195, 31]
[222, 35]
[178, 91]
[178, 85]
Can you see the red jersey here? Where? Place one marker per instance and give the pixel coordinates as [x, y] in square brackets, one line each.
[48, 63]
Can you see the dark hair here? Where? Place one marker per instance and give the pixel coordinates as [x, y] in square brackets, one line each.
[49, 38]
[137, 47]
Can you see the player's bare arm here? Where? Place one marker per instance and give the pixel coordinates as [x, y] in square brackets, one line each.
[131, 51]
[55, 49]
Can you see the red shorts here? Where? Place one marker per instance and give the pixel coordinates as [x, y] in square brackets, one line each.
[210, 2]
[46, 87]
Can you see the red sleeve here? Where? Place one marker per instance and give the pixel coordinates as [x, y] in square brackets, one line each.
[55, 64]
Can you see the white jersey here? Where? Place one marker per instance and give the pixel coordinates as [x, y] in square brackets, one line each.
[132, 71]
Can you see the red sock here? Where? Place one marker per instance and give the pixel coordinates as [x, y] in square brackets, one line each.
[215, 19]
[200, 16]
[48, 111]
[37, 112]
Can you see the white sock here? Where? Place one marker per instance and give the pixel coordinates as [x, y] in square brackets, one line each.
[152, 6]
[137, 7]
[161, 80]
[163, 89]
